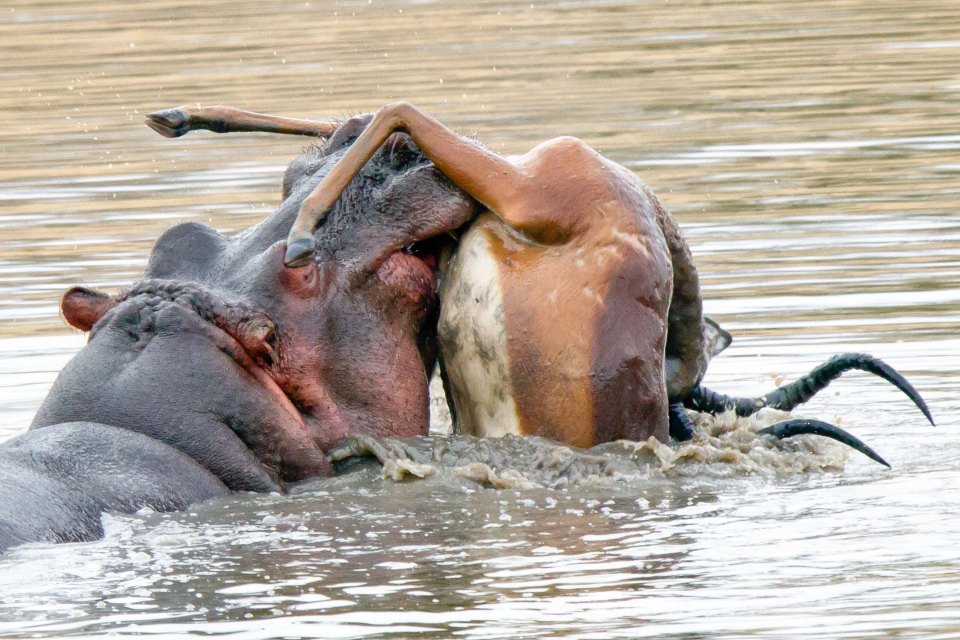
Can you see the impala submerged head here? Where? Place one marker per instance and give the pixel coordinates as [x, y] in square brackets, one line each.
[256, 368]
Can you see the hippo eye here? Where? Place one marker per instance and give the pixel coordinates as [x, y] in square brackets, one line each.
[402, 158]
[347, 133]
[401, 151]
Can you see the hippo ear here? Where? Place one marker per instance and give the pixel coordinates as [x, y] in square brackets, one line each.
[82, 307]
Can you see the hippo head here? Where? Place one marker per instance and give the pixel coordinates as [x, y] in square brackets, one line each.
[256, 369]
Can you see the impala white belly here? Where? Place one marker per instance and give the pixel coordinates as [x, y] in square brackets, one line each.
[473, 339]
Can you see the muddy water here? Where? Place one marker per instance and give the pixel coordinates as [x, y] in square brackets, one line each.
[810, 151]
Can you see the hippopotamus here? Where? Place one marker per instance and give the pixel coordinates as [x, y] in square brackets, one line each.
[225, 370]
[571, 307]
[55, 482]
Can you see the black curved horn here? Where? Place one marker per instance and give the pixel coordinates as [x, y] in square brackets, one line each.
[796, 393]
[796, 427]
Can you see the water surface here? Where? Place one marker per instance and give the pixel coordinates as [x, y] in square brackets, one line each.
[809, 151]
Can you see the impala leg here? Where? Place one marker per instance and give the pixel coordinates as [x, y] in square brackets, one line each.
[483, 174]
[173, 123]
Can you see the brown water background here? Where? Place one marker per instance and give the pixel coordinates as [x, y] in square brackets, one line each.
[810, 151]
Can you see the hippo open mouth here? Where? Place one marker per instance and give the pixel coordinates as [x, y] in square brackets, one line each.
[432, 250]
[416, 267]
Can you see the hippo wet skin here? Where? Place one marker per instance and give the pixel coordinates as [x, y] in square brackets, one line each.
[55, 482]
[223, 370]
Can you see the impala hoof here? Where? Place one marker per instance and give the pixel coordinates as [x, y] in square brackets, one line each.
[170, 123]
[299, 252]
